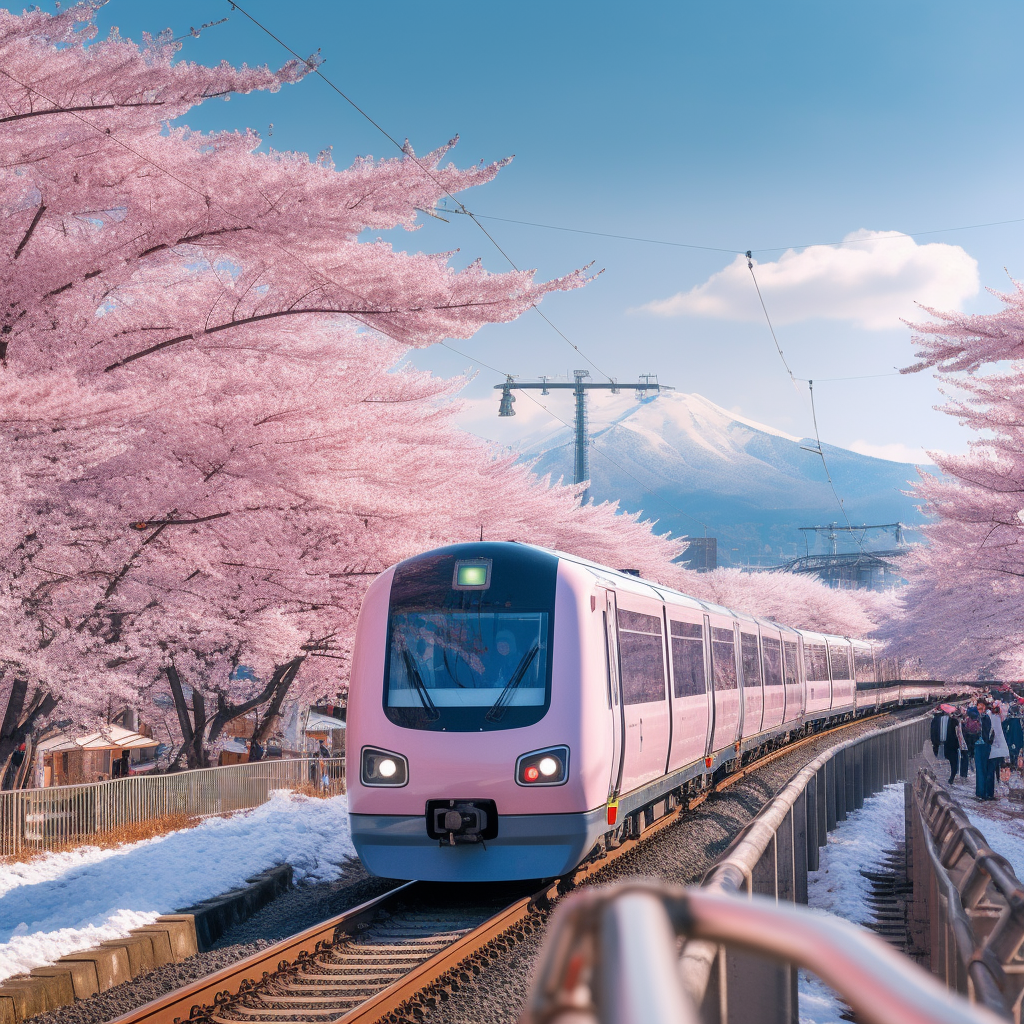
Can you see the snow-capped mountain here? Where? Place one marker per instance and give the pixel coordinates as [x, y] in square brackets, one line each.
[674, 454]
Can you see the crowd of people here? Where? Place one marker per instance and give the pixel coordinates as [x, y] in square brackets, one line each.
[985, 736]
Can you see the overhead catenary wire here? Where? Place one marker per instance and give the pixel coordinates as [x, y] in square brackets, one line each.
[404, 149]
[728, 249]
[814, 416]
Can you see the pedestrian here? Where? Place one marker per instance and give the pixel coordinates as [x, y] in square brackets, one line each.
[936, 725]
[982, 746]
[1013, 727]
[1000, 752]
[952, 740]
[972, 730]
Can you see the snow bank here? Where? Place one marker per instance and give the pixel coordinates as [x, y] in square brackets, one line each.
[839, 888]
[63, 902]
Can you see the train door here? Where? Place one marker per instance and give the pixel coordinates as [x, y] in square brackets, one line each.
[774, 691]
[691, 698]
[842, 674]
[753, 688]
[614, 694]
[726, 680]
[791, 673]
[644, 695]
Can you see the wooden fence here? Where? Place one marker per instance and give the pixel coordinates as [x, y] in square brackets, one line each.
[61, 816]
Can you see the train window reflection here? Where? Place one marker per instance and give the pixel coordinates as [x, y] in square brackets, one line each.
[772, 661]
[751, 659]
[467, 659]
[687, 659]
[723, 658]
[641, 657]
[816, 662]
[789, 648]
[839, 657]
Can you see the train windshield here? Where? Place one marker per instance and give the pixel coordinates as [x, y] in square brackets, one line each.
[463, 670]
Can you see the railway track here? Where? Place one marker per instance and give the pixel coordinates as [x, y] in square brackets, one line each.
[364, 964]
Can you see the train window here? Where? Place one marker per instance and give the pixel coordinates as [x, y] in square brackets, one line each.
[789, 650]
[474, 668]
[751, 658]
[641, 657]
[864, 666]
[839, 657]
[816, 662]
[687, 659]
[772, 661]
[723, 658]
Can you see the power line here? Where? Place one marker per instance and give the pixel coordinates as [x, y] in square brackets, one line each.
[462, 209]
[814, 416]
[604, 234]
[735, 252]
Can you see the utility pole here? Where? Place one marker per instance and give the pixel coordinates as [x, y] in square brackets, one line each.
[580, 386]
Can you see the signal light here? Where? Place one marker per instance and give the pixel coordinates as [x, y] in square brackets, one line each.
[387, 767]
[547, 767]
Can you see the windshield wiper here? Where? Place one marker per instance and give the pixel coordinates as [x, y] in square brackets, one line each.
[497, 710]
[414, 674]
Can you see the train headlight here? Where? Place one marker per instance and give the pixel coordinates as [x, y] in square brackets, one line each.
[547, 767]
[382, 768]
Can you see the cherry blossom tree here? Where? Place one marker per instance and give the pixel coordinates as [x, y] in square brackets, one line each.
[962, 608]
[214, 442]
[800, 601]
[217, 353]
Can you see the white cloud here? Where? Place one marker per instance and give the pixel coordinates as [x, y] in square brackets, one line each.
[873, 279]
[895, 451]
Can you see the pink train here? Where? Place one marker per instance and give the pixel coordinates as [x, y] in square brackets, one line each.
[512, 708]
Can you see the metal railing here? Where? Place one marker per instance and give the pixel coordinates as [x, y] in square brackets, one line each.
[613, 957]
[610, 957]
[61, 816]
[968, 907]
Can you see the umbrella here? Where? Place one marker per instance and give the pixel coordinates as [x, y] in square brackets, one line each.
[947, 708]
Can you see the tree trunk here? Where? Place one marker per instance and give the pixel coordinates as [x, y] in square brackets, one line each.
[198, 732]
[18, 722]
[284, 676]
[184, 722]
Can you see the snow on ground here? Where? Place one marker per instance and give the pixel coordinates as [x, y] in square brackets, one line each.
[839, 888]
[1000, 821]
[62, 902]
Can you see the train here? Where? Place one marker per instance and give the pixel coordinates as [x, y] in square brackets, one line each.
[514, 710]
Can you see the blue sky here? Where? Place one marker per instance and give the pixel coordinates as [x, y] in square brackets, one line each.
[730, 126]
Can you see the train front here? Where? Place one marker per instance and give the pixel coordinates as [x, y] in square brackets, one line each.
[461, 754]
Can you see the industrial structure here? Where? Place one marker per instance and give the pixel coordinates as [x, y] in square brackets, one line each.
[850, 570]
[580, 386]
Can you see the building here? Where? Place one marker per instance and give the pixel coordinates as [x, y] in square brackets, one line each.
[75, 760]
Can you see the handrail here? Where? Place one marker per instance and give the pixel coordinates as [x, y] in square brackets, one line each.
[975, 900]
[609, 957]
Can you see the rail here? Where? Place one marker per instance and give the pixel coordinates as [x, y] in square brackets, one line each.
[968, 907]
[60, 816]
